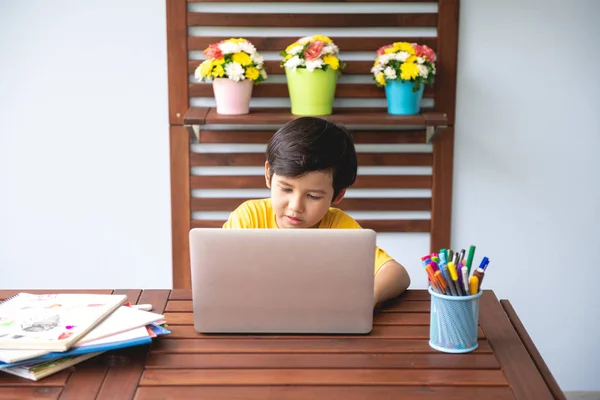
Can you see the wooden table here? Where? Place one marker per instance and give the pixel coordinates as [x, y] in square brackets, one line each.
[393, 362]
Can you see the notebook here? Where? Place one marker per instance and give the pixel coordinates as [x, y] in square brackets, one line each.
[52, 322]
[36, 371]
[121, 320]
[282, 280]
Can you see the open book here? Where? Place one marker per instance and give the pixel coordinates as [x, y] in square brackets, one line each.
[52, 322]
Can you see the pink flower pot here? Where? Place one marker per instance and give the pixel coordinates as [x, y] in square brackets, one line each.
[232, 98]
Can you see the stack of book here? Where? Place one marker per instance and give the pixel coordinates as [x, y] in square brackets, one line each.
[44, 334]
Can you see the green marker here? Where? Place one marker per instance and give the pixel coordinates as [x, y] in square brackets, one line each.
[470, 258]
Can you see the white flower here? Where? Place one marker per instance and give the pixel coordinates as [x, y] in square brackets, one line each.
[257, 59]
[296, 50]
[263, 73]
[247, 47]
[420, 60]
[314, 64]
[235, 71]
[304, 40]
[377, 69]
[390, 73]
[401, 56]
[229, 47]
[330, 49]
[423, 70]
[294, 62]
[384, 58]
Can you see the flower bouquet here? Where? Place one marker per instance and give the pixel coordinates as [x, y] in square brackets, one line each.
[312, 65]
[404, 69]
[234, 66]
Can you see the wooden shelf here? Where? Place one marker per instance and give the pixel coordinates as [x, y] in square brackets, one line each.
[195, 117]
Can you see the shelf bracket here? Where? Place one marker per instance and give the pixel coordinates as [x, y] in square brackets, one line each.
[193, 130]
[432, 131]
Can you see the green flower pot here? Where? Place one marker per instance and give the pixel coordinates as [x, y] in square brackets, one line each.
[311, 93]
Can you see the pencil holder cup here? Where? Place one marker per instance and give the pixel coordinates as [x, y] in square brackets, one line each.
[453, 322]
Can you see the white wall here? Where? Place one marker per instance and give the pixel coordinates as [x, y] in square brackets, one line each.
[84, 149]
[84, 172]
[526, 169]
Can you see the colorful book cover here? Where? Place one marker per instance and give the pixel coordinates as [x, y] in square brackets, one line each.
[52, 322]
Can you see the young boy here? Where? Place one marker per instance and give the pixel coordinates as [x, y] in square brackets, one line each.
[310, 163]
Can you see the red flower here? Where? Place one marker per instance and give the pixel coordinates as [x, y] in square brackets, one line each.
[424, 51]
[313, 51]
[382, 49]
[213, 51]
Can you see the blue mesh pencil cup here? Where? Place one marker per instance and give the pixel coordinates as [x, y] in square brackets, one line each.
[453, 322]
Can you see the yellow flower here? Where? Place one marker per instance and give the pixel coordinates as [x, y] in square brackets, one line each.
[391, 50]
[240, 40]
[219, 61]
[287, 57]
[380, 79]
[291, 46]
[411, 59]
[321, 38]
[205, 68]
[332, 61]
[252, 73]
[404, 46]
[409, 71]
[218, 71]
[242, 58]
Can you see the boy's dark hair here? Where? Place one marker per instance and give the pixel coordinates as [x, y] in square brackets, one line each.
[309, 144]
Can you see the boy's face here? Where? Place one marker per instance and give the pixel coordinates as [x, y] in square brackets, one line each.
[303, 201]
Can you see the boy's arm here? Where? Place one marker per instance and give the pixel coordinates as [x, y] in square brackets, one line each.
[391, 280]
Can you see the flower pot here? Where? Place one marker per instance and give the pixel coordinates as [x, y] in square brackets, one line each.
[311, 93]
[401, 99]
[232, 98]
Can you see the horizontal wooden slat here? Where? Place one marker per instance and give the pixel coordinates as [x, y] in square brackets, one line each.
[318, 1]
[187, 331]
[349, 91]
[312, 20]
[306, 392]
[362, 181]
[258, 159]
[417, 225]
[344, 43]
[408, 312]
[423, 361]
[361, 204]
[409, 295]
[37, 393]
[360, 137]
[346, 116]
[342, 345]
[384, 322]
[324, 377]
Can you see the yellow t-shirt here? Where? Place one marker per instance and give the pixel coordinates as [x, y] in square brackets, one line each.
[259, 214]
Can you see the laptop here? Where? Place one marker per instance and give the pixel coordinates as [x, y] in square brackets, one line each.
[282, 280]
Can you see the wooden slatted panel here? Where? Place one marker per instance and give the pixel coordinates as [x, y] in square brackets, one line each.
[319, 1]
[278, 43]
[312, 20]
[343, 90]
[348, 204]
[258, 159]
[360, 137]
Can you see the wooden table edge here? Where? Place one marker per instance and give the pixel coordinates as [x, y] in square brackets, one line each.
[557, 393]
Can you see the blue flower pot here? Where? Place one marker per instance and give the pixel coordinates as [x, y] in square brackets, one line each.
[401, 99]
